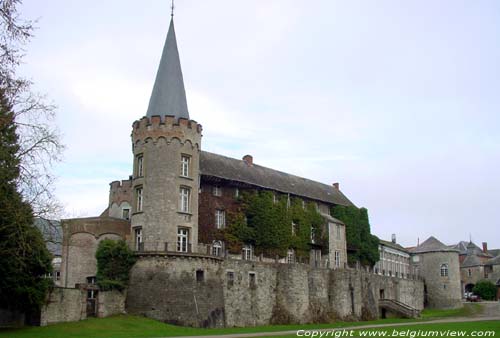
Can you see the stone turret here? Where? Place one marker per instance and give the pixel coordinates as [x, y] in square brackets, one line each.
[166, 146]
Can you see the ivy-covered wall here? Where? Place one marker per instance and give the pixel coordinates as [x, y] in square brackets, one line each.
[363, 245]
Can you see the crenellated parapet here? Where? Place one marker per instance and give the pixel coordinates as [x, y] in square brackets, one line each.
[168, 128]
[120, 191]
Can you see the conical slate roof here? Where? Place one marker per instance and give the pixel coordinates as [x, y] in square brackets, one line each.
[169, 96]
[432, 245]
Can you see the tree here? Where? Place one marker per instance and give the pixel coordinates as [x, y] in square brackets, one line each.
[114, 261]
[485, 289]
[24, 258]
[39, 141]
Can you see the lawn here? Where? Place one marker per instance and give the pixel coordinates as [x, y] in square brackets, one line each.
[126, 326]
[468, 310]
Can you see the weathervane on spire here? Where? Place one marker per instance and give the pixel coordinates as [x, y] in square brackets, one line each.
[172, 8]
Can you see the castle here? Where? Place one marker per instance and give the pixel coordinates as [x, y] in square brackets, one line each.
[175, 198]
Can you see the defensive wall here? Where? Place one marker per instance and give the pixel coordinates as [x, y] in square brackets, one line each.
[203, 291]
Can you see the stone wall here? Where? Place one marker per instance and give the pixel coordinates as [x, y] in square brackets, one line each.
[10, 318]
[110, 303]
[64, 305]
[250, 293]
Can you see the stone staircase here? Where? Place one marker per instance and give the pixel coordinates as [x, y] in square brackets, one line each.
[398, 307]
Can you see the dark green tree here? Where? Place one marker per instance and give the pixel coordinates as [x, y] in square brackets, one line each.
[24, 258]
[114, 261]
[485, 289]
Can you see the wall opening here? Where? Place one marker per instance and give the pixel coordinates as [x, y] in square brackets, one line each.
[200, 276]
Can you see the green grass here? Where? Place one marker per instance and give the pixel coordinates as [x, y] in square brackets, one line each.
[140, 327]
[466, 327]
[468, 310]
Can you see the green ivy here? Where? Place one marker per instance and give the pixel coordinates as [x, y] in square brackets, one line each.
[362, 244]
[267, 225]
[114, 261]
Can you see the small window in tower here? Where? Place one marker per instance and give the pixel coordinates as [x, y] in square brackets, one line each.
[200, 276]
[337, 259]
[139, 200]
[140, 165]
[339, 232]
[126, 214]
[469, 273]
[217, 191]
[444, 270]
[220, 219]
[138, 244]
[184, 196]
[58, 275]
[185, 161]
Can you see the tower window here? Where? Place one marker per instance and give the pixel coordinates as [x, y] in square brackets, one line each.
[138, 238]
[139, 192]
[251, 279]
[140, 166]
[313, 235]
[184, 199]
[230, 278]
[185, 160]
[200, 276]
[126, 214]
[469, 272]
[339, 233]
[444, 270]
[220, 219]
[337, 259]
[217, 191]
[182, 239]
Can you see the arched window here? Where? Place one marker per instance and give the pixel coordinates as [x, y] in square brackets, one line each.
[444, 270]
[217, 248]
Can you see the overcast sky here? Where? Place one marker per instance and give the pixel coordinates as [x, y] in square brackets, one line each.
[399, 101]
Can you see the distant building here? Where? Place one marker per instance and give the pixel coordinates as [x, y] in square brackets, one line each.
[394, 260]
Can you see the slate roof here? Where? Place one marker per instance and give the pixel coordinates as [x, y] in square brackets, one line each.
[169, 95]
[393, 245]
[432, 244]
[493, 261]
[237, 170]
[471, 260]
[494, 252]
[462, 246]
[52, 234]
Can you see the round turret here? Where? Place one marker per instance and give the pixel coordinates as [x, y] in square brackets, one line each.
[165, 184]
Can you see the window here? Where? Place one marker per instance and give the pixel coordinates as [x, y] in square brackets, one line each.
[236, 192]
[182, 239]
[200, 276]
[139, 201]
[58, 275]
[303, 204]
[91, 280]
[217, 191]
[337, 259]
[185, 165]
[220, 219]
[444, 270]
[91, 294]
[339, 232]
[469, 273]
[140, 165]
[275, 199]
[184, 199]
[230, 278]
[217, 248]
[251, 279]
[126, 214]
[313, 235]
[247, 252]
[290, 257]
[294, 228]
[138, 238]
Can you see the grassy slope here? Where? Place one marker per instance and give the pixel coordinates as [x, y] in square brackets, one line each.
[139, 327]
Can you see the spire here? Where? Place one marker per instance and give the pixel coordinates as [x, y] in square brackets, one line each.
[169, 96]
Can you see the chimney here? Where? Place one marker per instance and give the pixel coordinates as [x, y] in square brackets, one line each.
[336, 185]
[248, 160]
[393, 239]
[485, 247]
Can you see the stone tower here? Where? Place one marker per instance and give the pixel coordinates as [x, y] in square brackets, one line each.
[166, 146]
[439, 266]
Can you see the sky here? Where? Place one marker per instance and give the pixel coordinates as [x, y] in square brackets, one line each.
[398, 101]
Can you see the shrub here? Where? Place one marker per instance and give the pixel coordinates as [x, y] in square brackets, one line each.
[485, 289]
[114, 261]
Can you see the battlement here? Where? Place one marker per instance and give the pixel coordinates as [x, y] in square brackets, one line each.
[168, 127]
[120, 191]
